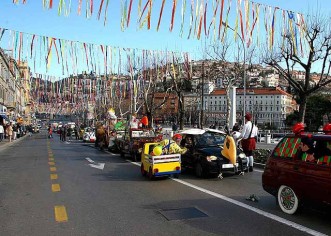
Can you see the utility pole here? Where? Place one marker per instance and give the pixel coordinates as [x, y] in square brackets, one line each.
[202, 93]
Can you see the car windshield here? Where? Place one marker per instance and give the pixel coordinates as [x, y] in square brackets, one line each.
[208, 139]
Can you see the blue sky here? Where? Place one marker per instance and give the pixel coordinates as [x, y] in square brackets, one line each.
[32, 18]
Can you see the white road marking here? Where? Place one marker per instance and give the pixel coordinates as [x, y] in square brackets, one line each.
[98, 165]
[248, 207]
[89, 160]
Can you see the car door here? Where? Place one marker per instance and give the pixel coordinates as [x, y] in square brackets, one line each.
[287, 168]
[188, 157]
[317, 180]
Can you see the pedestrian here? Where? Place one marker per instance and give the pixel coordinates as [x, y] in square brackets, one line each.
[174, 127]
[63, 133]
[9, 131]
[30, 130]
[14, 132]
[69, 132]
[76, 132]
[50, 131]
[248, 141]
[236, 128]
[2, 131]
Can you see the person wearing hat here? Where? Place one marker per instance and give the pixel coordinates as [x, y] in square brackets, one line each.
[248, 142]
[327, 129]
[173, 146]
[307, 149]
[323, 147]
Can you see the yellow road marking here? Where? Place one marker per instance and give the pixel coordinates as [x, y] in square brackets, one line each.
[60, 214]
[53, 176]
[51, 163]
[51, 159]
[56, 188]
[53, 169]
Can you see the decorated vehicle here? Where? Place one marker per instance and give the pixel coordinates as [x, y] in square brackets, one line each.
[134, 139]
[89, 135]
[154, 164]
[298, 171]
[211, 152]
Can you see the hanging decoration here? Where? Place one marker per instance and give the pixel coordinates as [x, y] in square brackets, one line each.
[201, 17]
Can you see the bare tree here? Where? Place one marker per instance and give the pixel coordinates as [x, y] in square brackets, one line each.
[315, 54]
[152, 78]
[220, 68]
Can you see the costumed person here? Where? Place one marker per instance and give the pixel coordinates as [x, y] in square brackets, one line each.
[298, 129]
[323, 147]
[248, 141]
[112, 117]
[173, 146]
[101, 136]
[307, 149]
[327, 129]
[144, 122]
[134, 121]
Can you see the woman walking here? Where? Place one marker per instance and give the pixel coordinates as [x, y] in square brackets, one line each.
[9, 131]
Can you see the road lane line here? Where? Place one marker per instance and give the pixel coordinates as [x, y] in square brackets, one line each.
[53, 176]
[51, 159]
[256, 210]
[248, 207]
[51, 163]
[52, 169]
[56, 188]
[60, 214]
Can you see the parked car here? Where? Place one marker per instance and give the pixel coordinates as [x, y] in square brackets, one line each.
[89, 135]
[298, 172]
[204, 153]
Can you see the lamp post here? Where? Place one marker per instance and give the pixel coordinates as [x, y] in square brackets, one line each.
[243, 44]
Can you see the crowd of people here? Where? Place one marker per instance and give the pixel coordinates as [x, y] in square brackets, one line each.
[12, 131]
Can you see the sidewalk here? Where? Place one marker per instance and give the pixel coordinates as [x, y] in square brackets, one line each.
[5, 142]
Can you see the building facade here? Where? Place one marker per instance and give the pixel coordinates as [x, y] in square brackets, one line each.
[268, 106]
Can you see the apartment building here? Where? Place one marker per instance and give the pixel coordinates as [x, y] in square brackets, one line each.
[267, 105]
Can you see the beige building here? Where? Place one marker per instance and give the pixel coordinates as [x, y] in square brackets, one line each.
[14, 89]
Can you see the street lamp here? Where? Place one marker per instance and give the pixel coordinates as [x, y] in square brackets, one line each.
[242, 42]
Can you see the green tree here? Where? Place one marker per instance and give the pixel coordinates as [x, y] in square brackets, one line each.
[318, 106]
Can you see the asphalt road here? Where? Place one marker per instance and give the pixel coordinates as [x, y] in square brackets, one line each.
[48, 187]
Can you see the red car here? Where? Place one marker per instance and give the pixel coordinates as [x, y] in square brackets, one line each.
[299, 171]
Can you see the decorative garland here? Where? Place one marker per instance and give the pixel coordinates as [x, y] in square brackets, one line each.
[247, 17]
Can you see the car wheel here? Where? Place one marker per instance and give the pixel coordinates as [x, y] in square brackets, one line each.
[150, 173]
[122, 154]
[287, 200]
[198, 170]
[142, 170]
[176, 176]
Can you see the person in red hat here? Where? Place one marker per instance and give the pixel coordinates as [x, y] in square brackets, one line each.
[248, 142]
[298, 128]
[327, 129]
[173, 146]
[323, 147]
